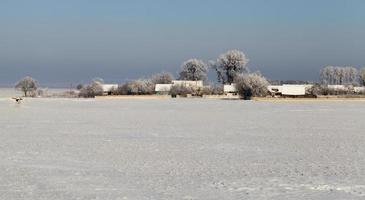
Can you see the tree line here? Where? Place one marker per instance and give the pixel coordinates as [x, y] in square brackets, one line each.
[332, 75]
[230, 68]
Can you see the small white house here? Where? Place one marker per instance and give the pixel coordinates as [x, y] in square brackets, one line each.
[230, 88]
[163, 88]
[108, 88]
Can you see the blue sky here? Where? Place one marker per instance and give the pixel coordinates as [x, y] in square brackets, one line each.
[69, 41]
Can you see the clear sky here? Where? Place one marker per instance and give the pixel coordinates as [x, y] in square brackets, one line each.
[70, 41]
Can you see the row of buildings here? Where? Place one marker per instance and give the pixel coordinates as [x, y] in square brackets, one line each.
[275, 90]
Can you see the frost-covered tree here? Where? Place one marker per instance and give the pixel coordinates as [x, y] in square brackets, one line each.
[162, 78]
[27, 85]
[137, 87]
[182, 90]
[327, 75]
[193, 70]
[98, 80]
[339, 75]
[95, 88]
[229, 64]
[362, 76]
[352, 75]
[213, 89]
[251, 85]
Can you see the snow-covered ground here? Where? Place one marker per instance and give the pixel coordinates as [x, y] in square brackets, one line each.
[181, 149]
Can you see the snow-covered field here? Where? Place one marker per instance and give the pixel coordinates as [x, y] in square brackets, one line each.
[54, 149]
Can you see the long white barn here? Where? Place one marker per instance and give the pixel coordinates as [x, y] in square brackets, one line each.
[286, 89]
[108, 88]
[289, 90]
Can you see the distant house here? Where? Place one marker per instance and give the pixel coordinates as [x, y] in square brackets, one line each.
[163, 88]
[230, 89]
[275, 90]
[109, 88]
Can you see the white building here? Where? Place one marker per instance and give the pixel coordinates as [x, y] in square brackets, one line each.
[108, 88]
[289, 90]
[280, 90]
[230, 88]
[275, 89]
[163, 88]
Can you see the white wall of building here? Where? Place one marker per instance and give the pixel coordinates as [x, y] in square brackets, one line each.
[289, 90]
[109, 87]
[230, 88]
[163, 87]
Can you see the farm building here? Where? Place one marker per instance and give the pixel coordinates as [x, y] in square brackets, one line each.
[276, 90]
[289, 90]
[230, 88]
[108, 88]
[163, 88]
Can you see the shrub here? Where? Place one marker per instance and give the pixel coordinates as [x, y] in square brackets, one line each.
[137, 87]
[91, 90]
[162, 78]
[319, 89]
[213, 90]
[251, 85]
[182, 90]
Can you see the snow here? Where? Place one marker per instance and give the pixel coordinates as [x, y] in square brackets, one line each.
[181, 149]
